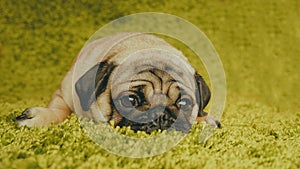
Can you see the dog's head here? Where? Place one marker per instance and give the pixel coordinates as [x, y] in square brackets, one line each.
[148, 90]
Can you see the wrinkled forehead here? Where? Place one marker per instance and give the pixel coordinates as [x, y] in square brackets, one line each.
[143, 60]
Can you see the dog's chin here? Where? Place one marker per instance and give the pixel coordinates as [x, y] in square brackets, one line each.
[163, 122]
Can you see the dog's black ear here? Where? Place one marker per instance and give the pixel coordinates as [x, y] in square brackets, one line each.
[93, 83]
[202, 94]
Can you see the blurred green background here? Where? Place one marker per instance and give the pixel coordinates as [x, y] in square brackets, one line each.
[258, 43]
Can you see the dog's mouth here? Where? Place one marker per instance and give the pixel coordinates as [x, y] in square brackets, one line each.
[162, 122]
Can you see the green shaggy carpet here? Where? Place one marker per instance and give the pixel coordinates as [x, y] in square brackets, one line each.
[258, 43]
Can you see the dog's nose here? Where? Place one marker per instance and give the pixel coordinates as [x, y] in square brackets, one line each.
[158, 98]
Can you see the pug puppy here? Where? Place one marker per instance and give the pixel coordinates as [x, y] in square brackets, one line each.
[133, 79]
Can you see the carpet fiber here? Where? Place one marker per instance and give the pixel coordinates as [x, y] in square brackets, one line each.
[258, 43]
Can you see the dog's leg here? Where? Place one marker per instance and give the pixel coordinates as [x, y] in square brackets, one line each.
[209, 119]
[56, 112]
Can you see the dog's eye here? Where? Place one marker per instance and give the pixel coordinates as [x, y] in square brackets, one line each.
[129, 101]
[184, 104]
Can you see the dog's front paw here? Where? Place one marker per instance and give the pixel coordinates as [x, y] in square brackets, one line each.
[209, 119]
[36, 116]
[26, 114]
[212, 121]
